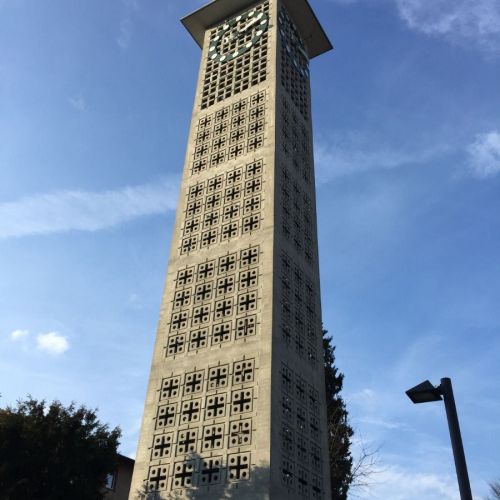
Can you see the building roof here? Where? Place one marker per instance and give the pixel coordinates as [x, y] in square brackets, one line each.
[125, 459]
[314, 36]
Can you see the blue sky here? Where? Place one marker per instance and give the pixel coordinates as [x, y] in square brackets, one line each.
[95, 102]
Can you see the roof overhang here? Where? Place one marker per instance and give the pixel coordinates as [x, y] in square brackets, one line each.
[307, 23]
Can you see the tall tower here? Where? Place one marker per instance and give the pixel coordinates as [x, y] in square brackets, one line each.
[235, 404]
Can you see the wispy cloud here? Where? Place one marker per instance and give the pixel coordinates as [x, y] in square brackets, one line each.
[124, 37]
[459, 21]
[52, 343]
[19, 335]
[476, 21]
[85, 210]
[78, 103]
[343, 155]
[135, 301]
[484, 155]
[398, 483]
[385, 424]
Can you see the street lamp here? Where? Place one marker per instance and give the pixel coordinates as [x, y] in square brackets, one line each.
[426, 393]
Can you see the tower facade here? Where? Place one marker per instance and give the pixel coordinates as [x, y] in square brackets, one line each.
[236, 404]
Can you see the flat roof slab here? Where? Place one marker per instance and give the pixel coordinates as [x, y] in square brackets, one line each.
[314, 36]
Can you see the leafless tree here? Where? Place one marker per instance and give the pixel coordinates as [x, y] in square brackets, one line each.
[495, 491]
[364, 469]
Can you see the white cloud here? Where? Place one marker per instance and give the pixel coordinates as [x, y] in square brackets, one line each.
[484, 155]
[19, 335]
[472, 20]
[341, 156]
[52, 343]
[84, 210]
[78, 103]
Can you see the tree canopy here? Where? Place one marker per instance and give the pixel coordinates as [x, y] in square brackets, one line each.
[339, 430]
[52, 452]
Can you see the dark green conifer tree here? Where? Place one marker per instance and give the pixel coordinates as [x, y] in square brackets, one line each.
[339, 430]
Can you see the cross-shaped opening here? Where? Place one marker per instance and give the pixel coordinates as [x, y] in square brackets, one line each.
[215, 406]
[255, 142]
[231, 211]
[183, 474]
[225, 285]
[191, 226]
[218, 377]
[240, 106]
[238, 467]
[179, 321]
[234, 176]
[253, 186]
[198, 339]
[219, 143]
[242, 401]
[190, 411]
[240, 433]
[227, 263]
[211, 471]
[213, 437]
[237, 135]
[162, 446]
[252, 204]
[170, 387]
[223, 308]
[205, 121]
[182, 297]
[196, 191]
[248, 279]
[203, 136]
[238, 120]
[254, 169]
[193, 383]
[229, 230]
[247, 302]
[185, 277]
[206, 270]
[166, 415]
[175, 344]
[258, 98]
[194, 208]
[203, 292]
[243, 372]
[213, 201]
[187, 440]
[217, 158]
[157, 478]
[222, 333]
[232, 193]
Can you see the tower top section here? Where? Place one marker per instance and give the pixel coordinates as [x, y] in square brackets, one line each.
[312, 32]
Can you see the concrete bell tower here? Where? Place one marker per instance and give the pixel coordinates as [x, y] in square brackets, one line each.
[235, 406]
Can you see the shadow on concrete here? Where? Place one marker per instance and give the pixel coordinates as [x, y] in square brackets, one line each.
[255, 487]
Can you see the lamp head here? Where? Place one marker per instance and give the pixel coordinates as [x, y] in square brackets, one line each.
[424, 393]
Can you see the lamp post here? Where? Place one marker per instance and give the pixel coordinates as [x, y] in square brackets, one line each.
[426, 393]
